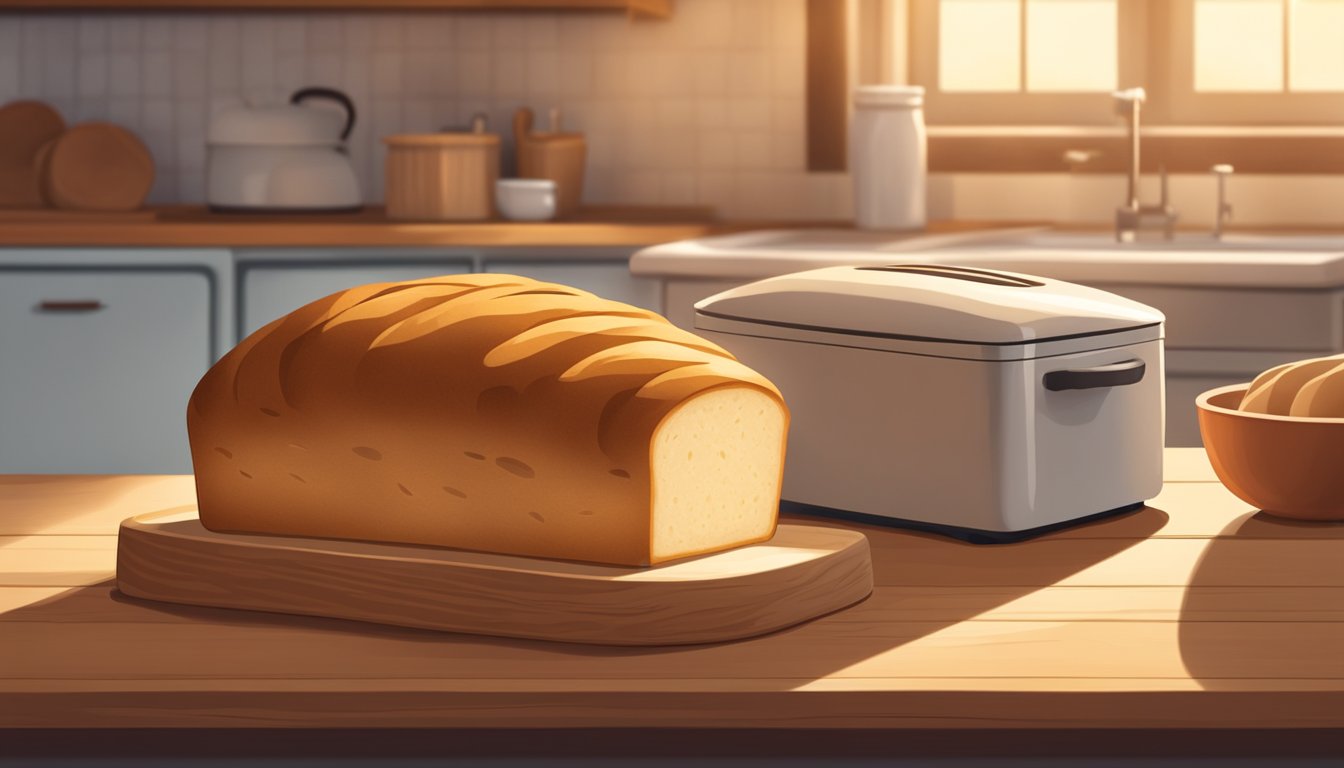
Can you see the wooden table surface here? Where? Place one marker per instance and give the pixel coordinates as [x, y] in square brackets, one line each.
[1194, 614]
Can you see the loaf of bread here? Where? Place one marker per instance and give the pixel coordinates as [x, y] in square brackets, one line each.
[489, 412]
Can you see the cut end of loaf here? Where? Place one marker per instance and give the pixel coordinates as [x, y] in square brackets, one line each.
[717, 468]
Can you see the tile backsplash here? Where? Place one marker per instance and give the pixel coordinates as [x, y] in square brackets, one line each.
[704, 108]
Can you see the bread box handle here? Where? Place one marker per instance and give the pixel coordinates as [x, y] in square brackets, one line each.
[1111, 375]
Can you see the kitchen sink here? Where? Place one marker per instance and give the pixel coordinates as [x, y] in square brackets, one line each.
[1200, 242]
[1248, 260]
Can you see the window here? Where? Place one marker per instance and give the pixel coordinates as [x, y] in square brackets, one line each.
[1036, 46]
[1297, 50]
[1054, 62]
[1033, 86]
[1024, 61]
[1272, 46]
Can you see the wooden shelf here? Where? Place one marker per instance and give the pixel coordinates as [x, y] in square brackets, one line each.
[661, 9]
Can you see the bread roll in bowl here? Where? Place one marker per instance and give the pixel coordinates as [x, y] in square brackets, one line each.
[1311, 388]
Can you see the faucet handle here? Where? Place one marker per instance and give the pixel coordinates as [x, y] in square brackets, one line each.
[1127, 101]
[1077, 157]
[1224, 209]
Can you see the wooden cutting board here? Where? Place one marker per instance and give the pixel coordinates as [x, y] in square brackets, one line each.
[24, 127]
[97, 167]
[802, 573]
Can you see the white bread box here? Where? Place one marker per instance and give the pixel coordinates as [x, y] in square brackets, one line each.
[987, 405]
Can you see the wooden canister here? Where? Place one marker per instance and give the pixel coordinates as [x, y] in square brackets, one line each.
[557, 156]
[441, 176]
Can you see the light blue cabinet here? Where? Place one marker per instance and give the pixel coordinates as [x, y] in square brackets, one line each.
[97, 364]
[100, 348]
[271, 289]
[606, 278]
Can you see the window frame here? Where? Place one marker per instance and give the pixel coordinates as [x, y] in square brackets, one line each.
[1021, 107]
[1183, 105]
[1304, 137]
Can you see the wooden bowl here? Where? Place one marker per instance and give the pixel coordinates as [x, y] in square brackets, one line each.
[1288, 466]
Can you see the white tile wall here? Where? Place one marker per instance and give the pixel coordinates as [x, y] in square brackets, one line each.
[705, 108]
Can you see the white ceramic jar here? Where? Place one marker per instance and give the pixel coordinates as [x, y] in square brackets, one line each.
[888, 156]
[526, 199]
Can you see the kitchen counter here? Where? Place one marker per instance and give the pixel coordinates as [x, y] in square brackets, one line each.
[194, 226]
[1193, 626]
[1242, 259]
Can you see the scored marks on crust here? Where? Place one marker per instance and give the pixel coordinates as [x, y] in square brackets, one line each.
[515, 467]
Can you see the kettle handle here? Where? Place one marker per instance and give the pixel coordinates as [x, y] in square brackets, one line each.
[336, 96]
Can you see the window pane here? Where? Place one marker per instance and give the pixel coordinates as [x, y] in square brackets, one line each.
[1238, 45]
[1316, 52]
[1071, 45]
[979, 45]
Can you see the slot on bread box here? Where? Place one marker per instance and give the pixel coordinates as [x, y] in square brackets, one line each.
[515, 425]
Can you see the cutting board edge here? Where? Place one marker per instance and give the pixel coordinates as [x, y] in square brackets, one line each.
[186, 570]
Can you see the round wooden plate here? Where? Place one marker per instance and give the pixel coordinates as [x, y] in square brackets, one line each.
[24, 127]
[802, 573]
[98, 167]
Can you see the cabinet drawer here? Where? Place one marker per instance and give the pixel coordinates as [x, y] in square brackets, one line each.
[608, 279]
[270, 291]
[96, 368]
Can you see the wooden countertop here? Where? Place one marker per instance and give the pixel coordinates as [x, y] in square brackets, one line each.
[194, 226]
[1195, 620]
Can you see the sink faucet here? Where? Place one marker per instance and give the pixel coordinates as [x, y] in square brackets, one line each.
[1224, 211]
[1133, 217]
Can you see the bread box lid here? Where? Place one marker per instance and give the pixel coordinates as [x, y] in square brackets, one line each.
[921, 304]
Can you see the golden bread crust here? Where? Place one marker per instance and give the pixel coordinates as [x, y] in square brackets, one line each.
[484, 411]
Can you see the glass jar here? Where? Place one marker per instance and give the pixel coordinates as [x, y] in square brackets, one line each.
[888, 156]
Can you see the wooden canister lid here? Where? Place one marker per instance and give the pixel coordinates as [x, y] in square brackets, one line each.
[445, 139]
[556, 138]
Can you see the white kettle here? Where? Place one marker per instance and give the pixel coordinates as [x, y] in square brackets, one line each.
[282, 158]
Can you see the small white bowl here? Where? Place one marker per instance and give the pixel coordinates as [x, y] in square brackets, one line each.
[525, 199]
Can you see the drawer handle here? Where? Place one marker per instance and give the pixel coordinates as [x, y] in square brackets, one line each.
[1113, 375]
[70, 305]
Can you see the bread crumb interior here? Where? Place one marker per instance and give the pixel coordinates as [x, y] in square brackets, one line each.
[716, 464]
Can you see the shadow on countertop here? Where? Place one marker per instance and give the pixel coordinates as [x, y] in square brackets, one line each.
[1262, 567]
[911, 571]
